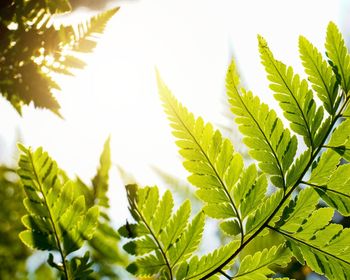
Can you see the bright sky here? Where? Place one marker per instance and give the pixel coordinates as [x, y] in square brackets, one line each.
[191, 43]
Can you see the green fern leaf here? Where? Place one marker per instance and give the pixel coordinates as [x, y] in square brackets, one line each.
[100, 181]
[293, 95]
[296, 210]
[313, 238]
[258, 218]
[320, 74]
[323, 245]
[325, 167]
[82, 38]
[331, 181]
[58, 218]
[298, 167]
[339, 141]
[196, 268]
[163, 242]
[261, 264]
[338, 54]
[214, 165]
[269, 142]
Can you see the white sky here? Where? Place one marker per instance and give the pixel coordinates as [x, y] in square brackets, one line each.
[190, 42]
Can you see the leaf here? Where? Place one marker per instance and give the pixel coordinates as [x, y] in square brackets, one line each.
[263, 263]
[83, 38]
[295, 212]
[331, 181]
[214, 165]
[270, 143]
[297, 169]
[58, 219]
[293, 95]
[162, 242]
[338, 54]
[324, 246]
[340, 135]
[196, 268]
[258, 218]
[101, 180]
[320, 74]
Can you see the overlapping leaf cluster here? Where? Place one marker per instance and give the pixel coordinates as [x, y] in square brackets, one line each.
[256, 200]
[32, 48]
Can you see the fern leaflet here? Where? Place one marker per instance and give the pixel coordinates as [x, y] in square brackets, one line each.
[320, 74]
[259, 265]
[58, 219]
[269, 142]
[163, 239]
[293, 95]
[338, 55]
[323, 245]
[197, 268]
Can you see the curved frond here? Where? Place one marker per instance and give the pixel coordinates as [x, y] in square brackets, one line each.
[293, 95]
[270, 143]
[214, 165]
[82, 38]
[323, 245]
[320, 74]
[339, 56]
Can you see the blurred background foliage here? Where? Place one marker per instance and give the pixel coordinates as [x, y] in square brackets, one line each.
[13, 253]
[33, 48]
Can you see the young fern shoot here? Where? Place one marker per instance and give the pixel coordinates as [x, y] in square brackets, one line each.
[237, 195]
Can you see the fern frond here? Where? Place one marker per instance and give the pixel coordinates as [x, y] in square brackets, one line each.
[339, 56]
[331, 181]
[214, 165]
[320, 74]
[163, 239]
[82, 38]
[293, 95]
[197, 268]
[58, 219]
[263, 263]
[339, 141]
[323, 245]
[270, 143]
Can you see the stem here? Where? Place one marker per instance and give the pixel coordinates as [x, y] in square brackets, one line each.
[50, 218]
[266, 223]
